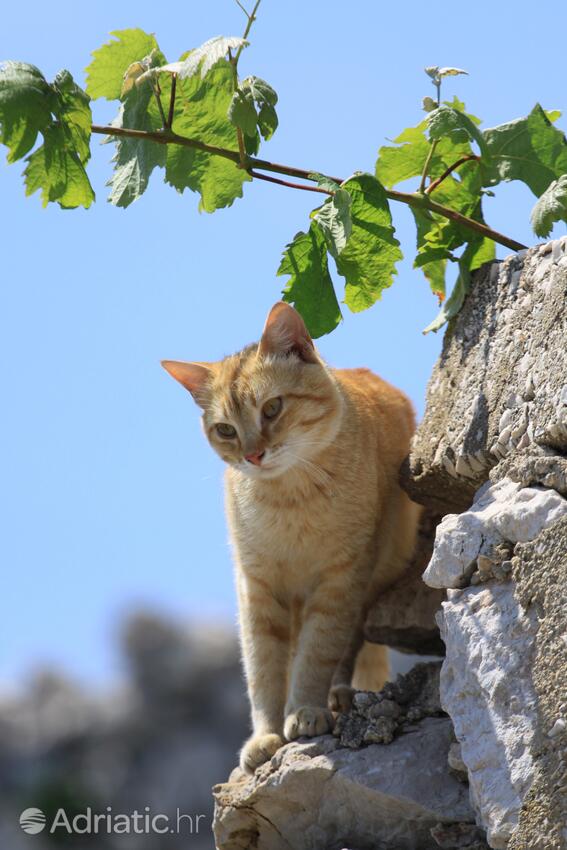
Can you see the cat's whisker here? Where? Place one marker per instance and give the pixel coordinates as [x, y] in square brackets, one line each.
[318, 474]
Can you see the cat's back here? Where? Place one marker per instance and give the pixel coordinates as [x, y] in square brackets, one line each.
[378, 411]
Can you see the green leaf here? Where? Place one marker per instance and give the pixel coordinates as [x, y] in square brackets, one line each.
[25, 107]
[242, 112]
[202, 113]
[481, 253]
[406, 160]
[56, 169]
[529, 149]
[267, 121]
[105, 74]
[324, 182]
[310, 288]
[368, 261]
[254, 103]
[551, 207]
[432, 250]
[206, 56]
[553, 115]
[334, 219]
[468, 261]
[73, 109]
[135, 159]
[453, 304]
[265, 98]
[446, 121]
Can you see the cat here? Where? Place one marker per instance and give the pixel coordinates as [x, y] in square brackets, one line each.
[316, 515]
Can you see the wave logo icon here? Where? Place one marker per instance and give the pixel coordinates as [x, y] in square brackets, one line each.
[32, 821]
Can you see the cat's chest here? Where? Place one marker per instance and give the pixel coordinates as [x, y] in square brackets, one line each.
[286, 525]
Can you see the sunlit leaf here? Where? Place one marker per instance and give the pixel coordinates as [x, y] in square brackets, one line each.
[368, 260]
[26, 100]
[334, 219]
[202, 113]
[72, 108]
[105, 74]
[56, 170]
[551, 207]
[206, 56]
[310, 288]
[529, 149]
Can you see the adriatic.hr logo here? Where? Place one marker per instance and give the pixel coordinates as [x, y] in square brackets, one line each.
[89, 822]
[32, 821]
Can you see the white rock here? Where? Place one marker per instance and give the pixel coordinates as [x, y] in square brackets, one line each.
[502, 511]
[317, 795]
[487, 690]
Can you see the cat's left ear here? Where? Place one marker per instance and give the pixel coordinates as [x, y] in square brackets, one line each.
[285, 332]
[193, 376]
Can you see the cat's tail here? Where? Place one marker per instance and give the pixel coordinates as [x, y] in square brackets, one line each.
[372, 667]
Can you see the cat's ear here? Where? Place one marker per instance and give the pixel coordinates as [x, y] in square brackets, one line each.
[285, 332]
[193, 376]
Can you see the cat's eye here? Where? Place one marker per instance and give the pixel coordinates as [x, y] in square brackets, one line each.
[272, 407]
[225, 430]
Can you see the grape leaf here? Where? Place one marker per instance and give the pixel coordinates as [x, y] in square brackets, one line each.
[477, 251]
[432, 250]
[453, 304]
[56, 169]
[253, 103]
[135, 159]
[242, 112]
[446, 121]
[310, 287]
[396, 164]
[201, 112]
[26, 100]
[334, 219]
[324, 182]
[205, 57]
[412, 147]
[551, 207]
[368, 260]
[72, 107]
[105, 74]
[529, 149]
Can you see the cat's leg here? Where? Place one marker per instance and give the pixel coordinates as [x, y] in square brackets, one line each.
[265, 635]
[329, 619]
[342, 692]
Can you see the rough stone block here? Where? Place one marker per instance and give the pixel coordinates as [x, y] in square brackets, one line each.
[501, 381]
[403, 617]
[319, 796]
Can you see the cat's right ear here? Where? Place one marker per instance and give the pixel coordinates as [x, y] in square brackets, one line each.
[192, 376]
[285, 332]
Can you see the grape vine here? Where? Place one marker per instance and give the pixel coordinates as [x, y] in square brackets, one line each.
[203, 125]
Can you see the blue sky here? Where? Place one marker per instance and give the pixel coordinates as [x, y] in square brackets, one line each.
[110, 498]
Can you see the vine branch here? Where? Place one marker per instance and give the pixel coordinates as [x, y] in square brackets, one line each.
[435, 183]
[420, 201]
[170, 114]
[279, 182]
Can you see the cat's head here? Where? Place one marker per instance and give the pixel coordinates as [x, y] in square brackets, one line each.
[270, 408]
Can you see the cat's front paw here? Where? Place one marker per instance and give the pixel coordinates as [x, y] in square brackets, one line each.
[340, 698]
[308, 720]
[259, 749]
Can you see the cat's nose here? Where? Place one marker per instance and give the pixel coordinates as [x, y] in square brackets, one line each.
[255, 458]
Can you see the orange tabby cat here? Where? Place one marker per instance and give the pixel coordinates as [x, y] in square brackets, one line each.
[318, 520]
